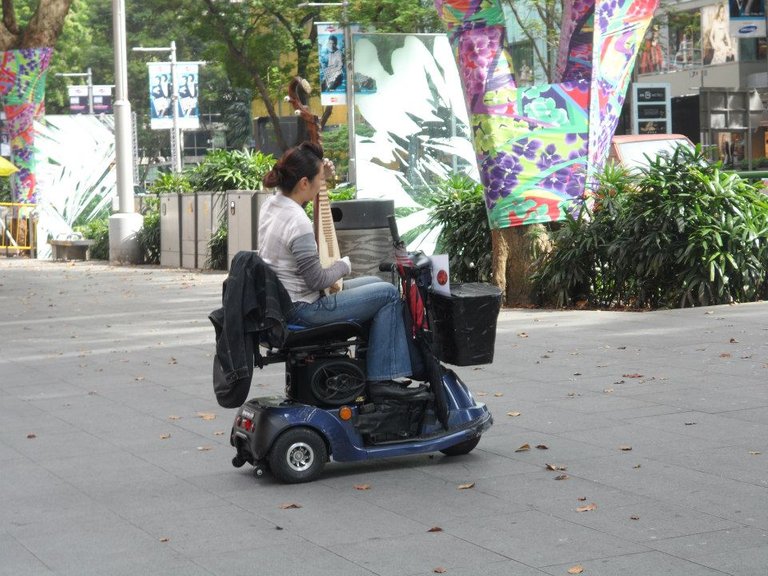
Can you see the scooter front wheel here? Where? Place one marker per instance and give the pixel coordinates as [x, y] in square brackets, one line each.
[461, 448]
[298, 455]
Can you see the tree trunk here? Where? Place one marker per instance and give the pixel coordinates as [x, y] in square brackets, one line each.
[43, 29]
[514, 255]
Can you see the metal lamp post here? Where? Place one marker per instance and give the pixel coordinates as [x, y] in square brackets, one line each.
[349, 64]
[175, 136]
[124, 225]
[89, 76]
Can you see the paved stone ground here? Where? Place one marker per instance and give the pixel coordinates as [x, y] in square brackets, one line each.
[114, 456]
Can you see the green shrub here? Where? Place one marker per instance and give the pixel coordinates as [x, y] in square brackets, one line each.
[223, 170]
[98, 231]
[168, 182]
[681, 233]
[148, 238]
[218, 247]
[459, 206]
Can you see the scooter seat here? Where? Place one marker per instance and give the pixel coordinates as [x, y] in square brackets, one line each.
[334, 332]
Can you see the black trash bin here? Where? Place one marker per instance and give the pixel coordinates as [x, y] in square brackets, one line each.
[363, 233]
[464, 324]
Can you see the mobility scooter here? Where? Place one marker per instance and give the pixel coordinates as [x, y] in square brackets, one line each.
[330, 412]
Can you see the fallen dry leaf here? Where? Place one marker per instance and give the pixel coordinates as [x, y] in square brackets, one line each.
[172, 417]
[498, 394]
[542, 447]
[733, 341]
[362, 486]
[555, 467]
[466, 486]
[587, 507]
[725, 355]
[524, 448]
[631, 375]
[625, 448]
[482, 394]
[582, 498]
[164, 539]
[219, 433]
[435, 529]
[513, 414]
[164, 436]
[575, 570]
[562, 477]
[522, 335]
[289, 506]
[172, 360]
[204, 448]
[755, 452]
[608, 390]
[139, 378]
[634, 517]
[206, 415]
[636, 466]
[439, 570]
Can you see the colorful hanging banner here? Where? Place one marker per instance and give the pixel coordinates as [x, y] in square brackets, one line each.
[535, 146]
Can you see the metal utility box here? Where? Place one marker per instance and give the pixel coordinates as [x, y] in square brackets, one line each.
[210, 210]
[363, 234]
[170, 229]
[189, 231]
[243, 220]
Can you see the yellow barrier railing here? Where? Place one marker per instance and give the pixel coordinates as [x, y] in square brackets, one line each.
[18, 228]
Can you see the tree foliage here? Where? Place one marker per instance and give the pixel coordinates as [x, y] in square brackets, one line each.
[681, 233]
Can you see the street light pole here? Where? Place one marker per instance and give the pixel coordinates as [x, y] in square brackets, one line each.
[175, 137]
[352, 176]
[350, 92]
[124, 225]
[89, 76]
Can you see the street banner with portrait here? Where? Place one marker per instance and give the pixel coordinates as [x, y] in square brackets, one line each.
[333, 73]
[161, 95]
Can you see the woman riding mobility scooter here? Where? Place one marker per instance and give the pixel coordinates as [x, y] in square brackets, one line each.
[329, 410]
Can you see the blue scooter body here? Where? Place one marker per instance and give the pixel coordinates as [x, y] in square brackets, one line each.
[261, 420]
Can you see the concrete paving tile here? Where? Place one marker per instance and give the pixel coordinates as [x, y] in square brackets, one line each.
[161, 493]
[645, 440]
[746, 562]
[654, 563]
[104, 540]
[504, 568]
[757, 415]
[744, 462]
[538, 539]
[18, 560]
[706, 492]
[416, 553]
[646, 520]
[447, 500]
[541, 491]
[298, 561]
[730, 541]
[197, 532]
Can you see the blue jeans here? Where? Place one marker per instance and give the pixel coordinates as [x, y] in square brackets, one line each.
[362, 299]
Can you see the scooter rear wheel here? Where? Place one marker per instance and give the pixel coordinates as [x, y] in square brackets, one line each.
[462, 447]
[298, 455]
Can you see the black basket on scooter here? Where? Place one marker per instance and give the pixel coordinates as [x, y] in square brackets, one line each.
[464, 323]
